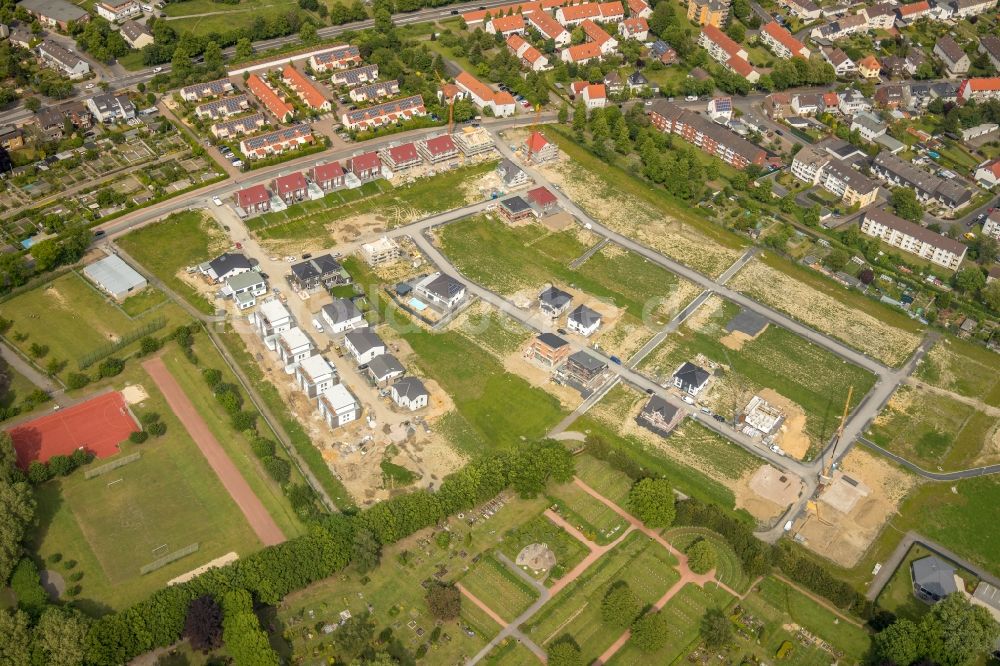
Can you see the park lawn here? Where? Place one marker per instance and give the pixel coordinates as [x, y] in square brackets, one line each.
[143, 301]
[192, 237]
[169, 497]
[683, 612]
[499, 588]
[812, 377]
[17, 387]
[604, 479]
[962, 367]
[576, 609]
[933, 431]
[728, 568]
[235, 443]
[594, 518]
[394, 590]
[231, 17]
[72, 318]
[500, 410]
[510, 652]
[507, 259]
[539, 529]
[498, 333]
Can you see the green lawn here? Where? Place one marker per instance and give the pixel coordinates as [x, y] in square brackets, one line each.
[604, 479]
[897, 596]
[499, 588]
[170, 497]
[16, 387]
[728, 568]
[964, 368]
[142, 302]
[589, 515]
[72, 318]
[539, 529]
[192, 237]
[498, 333]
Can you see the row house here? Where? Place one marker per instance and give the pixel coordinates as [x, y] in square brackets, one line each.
[307, 91]
[929, 188]
[913, 238]
[328, 177]
[386, 113]
[634, 27]
[56, 57]
[223, 108]
[278, 107]
[550, 28]
[979, 90]
[806, 10]
[294, 346]
[200, 91]
[530, 57]
[365, 167]
[881, 16]
[239, 126]
[111, 108]
[315, 375]
[910, 13]
[501, 103]
[956, 61]
[840, 28]
[355, 76]
[581, 53]
[400, 158]
[337, 406]
[842, 64]
[117, 12]
[375, 91]
[254, 199]
[271, 319]
[781, 42]
[599, 36]
[853, 187]
[706, 135]
[291, 188]
[276, 142]
[605, 12]
[967, 8]
[473, 141]
[506, 26]
[639, 8]
[438, 149]
[708, 12]
[339, 57]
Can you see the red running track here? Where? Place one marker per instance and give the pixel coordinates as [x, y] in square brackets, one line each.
[260, 520]
[99, 425]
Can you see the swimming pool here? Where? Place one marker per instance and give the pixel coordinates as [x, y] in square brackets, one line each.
[418, 304]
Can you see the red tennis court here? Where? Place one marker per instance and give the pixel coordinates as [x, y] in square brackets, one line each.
[99, 425]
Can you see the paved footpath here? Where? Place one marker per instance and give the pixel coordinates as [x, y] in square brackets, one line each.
[260, 520]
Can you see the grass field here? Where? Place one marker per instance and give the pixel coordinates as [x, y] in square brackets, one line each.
[499, 588]
[223, 17]
[963, 368]
[16, 387]
[589, 515]
[169, 497]
[72, 318]
[778, 359]
[897, 596]
[539, 529]
[728, 568]
[604, 479]
[192, 238]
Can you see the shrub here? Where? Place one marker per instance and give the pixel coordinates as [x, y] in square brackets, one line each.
[27, 587]
[262, 447]
[69, 564]
[76, 577]
[148, 345]
[81, 457]
[111, 367]
[138, 436]
[244, 420]
[701, 556]
[149, 417]
[74, 591]
[278, 468]
[39, 472]
[212, 377]
[158, 429]
[60, 465]
[77, 380]
[54, 558]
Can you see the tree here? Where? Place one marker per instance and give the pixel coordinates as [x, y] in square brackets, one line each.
[15, 648]
[715, 628]
[898, 643]
[32, 104]
[213, 56]
[701, 556]
[244, 49]
[956, 632]
[308, 33]
[203, 624]
[620, 605]
[564, 652]
[366, 550]
[18, 512]
[579, 120]
[444, 601]
[837, 259]
[61, 635]
[652, 501]
[649, 632]
[904, 203]
[534, 465]
[736, 31]
[991, 295]
[563, 113]
[970, 280]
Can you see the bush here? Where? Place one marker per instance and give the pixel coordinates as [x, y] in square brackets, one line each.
[39, 472]
[701, 556]
[278, 468]
[69, 565]
[76, 577]
[149, 417]
[262, 447]
[148, 345]
[158, 429]
[54, 558]
[111, 367]
[27, 587]
[74, 591]
[60, 465]
[138, 436]
[77, 380]
[244, 421]
[212, 377]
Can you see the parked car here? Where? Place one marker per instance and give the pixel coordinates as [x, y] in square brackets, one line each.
[691, 98]
[217, 201]
[688, 399]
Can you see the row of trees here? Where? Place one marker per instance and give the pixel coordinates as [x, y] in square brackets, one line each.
[66, 248]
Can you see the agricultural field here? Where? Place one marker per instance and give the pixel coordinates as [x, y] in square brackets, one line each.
[498, 587]
[193, 238]
[877, 330]
[66, 320]
[812, 381]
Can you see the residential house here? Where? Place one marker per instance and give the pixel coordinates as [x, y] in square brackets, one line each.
[380, 252]
[639, 8]
[605, 12]
[550, 28]
[881, 16]
[366, 166]
[200, 91]
[253, 199]
[226, 266]
[806, 104]
[111, 108]
[374, 91]
[808, 163]
[893, 66]
[239, 126]
[988, 174]
[842, 64]
[914, 59]
[955, 60]
[634, 27]
[639, 84]
[928, 187]
[339, 57]
[852, 101]
[473, 141]
[294, 346]
[892, 96]
[328, 176]
[542, 201]
[554, 301]
[364, 344]
[594, 95]
[136, 34]
[967, 8]
[276, 142]
[991, 227]
[539, 149]
[319, 271]
[56, 57]
[711, 138]
[841, 28]
[342, 315]
[272, 318]
[599, 36]
[690, 378]
[512, 175]
[804, 9]
[400, 158]
[720, 109]
[385, 369]
[11, 138]
[440, 289]
[869, 67]
[980, 130]
[530, 57]
[51, 121]
[913, 238]
[584, 368]
[708, 12]
[979, 90]
[291, 188]
[500, 103]
[410, 393]
[315, 376]
[727, 52]
[548, 350]
[990, 45]
[584, 321]
[278, 107]
[933, 578]
[438, 149]
[386, 113]
[868, 126]
[781, 42]
[55, 13]
[355, 76]
[777, 105]
[308, 92]
[663, 52]
[853, 187]
[223, 107]
[21, 37]
[659, 415]
[909, 13]
[244, 288]
[506, 25]
[581, 54]
[337, 406]
[118, 11]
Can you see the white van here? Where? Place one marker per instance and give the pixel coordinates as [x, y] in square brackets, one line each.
[318, 325]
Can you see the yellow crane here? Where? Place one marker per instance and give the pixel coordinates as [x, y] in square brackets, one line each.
[828, 463]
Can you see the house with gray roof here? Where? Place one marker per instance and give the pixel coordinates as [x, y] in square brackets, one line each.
[933, 578]
[690, 378]
[441, 289]
[364, 345]
[115, 277]
[956, 62]
[55, 13]
[385, 369]
[554, 301]
[342, 315]
[659, 415]
[410, 393]
[584, 320]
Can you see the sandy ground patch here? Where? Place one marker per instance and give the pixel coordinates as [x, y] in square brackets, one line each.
[558, 221]
[220, 561]
[540, 377]
[845, 537]
[134, 394]
[736, 339]
[825, 313]
[774, 485]
[761, 508]
[792, 434]
[624, 339]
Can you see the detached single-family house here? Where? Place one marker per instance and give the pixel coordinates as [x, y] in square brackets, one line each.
[441, 289]
[385, 369]
[583, 367]
[410, 393]
[539, 149]
[548, 350]
[659, 415]
[554, 301]
[337, 406]
[584, 321]
[364, 344]
[315, 375]
[691, 379]
[245, 288]
[136, 34]
[988, 174]
[342, 315]
[294, 346]
[956, 62]
[225, 266]
[933, 578]
[512, 175]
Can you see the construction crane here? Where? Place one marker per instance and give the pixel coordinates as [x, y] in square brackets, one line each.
[824, 476]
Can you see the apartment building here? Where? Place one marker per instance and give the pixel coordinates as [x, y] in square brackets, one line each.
[913, 238]
[706, 135]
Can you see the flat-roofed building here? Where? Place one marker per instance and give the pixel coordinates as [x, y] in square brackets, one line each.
[115, 277]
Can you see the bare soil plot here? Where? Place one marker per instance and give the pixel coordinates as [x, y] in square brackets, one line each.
[963, 368]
